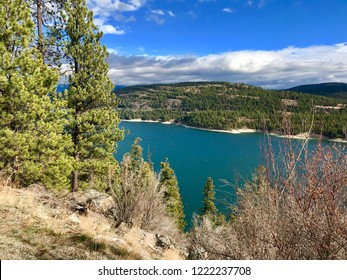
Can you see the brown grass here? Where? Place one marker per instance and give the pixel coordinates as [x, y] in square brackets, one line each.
[37, 225]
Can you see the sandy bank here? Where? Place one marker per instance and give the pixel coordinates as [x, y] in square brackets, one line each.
[139, 120]
[300, 136]
[338, 140]
[231, 131]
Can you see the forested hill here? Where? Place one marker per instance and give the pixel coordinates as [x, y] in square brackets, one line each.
[338, 90]
[221, 105]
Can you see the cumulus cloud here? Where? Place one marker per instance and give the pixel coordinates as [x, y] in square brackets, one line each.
[111, 50]
[104, 9]
[272, 69]
[107, 28]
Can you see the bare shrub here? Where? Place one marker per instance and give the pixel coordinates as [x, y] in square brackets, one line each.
[139, 199]
[294, 208]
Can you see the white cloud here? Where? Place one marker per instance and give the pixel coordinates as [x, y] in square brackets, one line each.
[228, 10]
[107, 28]
[113, 51]
[104, 9]
[272, 69]
[158, 12]
[157, 18]
[122, 18]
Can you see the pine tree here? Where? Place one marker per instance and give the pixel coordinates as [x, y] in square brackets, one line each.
[92, 104]
[136, 154]
[32, 146]
[172, 197]
[209, 208]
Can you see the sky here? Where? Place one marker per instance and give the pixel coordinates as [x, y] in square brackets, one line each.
[270, 43]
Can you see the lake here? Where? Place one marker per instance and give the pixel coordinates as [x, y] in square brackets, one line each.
[196, 155]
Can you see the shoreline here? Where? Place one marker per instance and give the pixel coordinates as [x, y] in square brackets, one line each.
[338, 140]
[232, 131]
[300, 136]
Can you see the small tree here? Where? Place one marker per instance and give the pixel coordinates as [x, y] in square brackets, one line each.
[32, 147]
[172, 197]
[209, 208]
[93, 121]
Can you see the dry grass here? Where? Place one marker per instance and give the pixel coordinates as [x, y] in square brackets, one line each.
[35, 224]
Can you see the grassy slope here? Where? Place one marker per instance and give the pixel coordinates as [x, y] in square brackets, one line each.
[35, 224]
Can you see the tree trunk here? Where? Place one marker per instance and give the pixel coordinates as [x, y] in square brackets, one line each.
[75, 181]
[39, 27]
[77, 158]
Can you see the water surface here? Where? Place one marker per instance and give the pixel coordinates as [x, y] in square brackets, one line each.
[195, 155]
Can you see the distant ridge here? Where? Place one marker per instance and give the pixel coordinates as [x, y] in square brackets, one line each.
[337, 90]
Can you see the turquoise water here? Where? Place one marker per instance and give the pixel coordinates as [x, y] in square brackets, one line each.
[195, 155]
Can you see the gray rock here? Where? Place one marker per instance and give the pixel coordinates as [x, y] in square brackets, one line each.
[162, 241]
[83, 201]
[74, 218]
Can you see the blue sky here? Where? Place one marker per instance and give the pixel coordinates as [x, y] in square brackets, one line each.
[271, 43]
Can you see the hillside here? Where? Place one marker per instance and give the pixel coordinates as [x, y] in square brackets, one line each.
[336, 90]
[36, 224]
[226, 106]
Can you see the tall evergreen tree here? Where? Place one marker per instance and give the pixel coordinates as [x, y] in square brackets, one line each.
[209, 208]
[136, 154]
[92, 104]
[32, 146]
[172, 197]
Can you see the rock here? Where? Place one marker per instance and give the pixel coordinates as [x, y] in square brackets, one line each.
[37, 188]
[197, 254]
[162, 241]
[74, 218]
[103, 202]
[83, 201]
